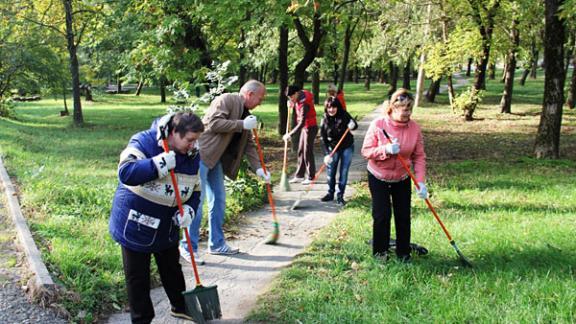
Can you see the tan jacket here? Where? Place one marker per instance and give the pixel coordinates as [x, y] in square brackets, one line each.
[221, 122]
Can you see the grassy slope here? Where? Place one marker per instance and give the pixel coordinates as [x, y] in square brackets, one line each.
[512, 215]
[67, 177]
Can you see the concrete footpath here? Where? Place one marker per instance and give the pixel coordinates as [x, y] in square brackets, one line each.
[242, 278]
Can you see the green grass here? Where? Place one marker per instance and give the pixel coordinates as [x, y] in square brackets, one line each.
[67, 177]
[513, 216]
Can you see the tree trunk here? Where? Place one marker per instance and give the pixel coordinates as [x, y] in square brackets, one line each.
[241, 57]
[547, 143]
[492, 71]
[74, 66]
[356, 74]
[524, 76]
[163, 89]
[139, 87]
[65, 112]
[535, 55]
[381, 76]
[393, 78]
[407, 74]
[503, 77]
[274, 76]
[469, 68]
[572, 92]
[506, 101]
[450, 91]
[118, 84]
[310, 46]
[88, 92]
[346, 55]
[486, 28]
[368, 72]
[316, 85]
[433, 90]
[282, 78]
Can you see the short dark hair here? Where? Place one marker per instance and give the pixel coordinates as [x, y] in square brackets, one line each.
[184, 122]
[292, 90]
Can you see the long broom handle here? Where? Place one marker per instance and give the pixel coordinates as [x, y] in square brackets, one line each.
[323, 164]
[428, 203]
[268, 189]
[286, 142]
[181, 209]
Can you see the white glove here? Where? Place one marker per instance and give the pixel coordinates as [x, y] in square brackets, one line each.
[164, 162]
[328, 159]
[264, 175]
[186, 220]
[162, 126]
[250, 122]
[392, 148]
[286, 137]
[351, 124]
[423, 191]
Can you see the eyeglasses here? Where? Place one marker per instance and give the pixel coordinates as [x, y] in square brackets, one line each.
[402, 98]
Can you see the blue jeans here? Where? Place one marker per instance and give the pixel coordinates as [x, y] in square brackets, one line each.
[344, 158]
[213, 191]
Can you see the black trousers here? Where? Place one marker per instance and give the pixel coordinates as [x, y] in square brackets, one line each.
[137, 274]
[385, 197]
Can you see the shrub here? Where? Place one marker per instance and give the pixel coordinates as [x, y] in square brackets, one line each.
[6, 107]
[467, 102]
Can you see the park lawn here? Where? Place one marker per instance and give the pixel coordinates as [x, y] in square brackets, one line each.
[67, 177]
[513, 216]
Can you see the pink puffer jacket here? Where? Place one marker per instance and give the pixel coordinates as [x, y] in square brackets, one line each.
[388, 167]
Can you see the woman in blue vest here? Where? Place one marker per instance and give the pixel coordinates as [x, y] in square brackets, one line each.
[145, 220]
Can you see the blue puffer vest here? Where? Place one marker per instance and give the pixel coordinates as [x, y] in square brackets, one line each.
[144, 207]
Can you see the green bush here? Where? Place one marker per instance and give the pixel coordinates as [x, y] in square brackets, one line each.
[6, 108]
[467, 102]
[245, 193]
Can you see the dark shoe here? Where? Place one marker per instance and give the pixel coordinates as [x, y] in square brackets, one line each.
[328, 197]
[405, 258]
[341, 201]
[180, 314]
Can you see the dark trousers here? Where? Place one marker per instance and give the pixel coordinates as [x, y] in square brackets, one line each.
[385, 197]
[137, 274]
[306, 163]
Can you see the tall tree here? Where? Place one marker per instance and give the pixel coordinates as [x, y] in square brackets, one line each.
[483, 14]
[547, 143]
[310, 46]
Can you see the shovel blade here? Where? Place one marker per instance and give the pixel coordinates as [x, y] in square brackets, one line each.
[203, 303]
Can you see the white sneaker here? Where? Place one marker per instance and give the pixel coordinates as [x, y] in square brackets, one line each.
[186, 256]
[295, 179]
[225, 250]
[306, 182]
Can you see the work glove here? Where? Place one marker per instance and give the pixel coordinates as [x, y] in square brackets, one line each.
[351, 124]
[250, 122]
[162, 128]
[423, 191]
[328, 159]
[286, 137]
[393, 147]
[164, 162]
[186, 220]
[264, 175]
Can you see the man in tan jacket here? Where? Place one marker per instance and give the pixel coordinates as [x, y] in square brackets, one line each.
[226, 140]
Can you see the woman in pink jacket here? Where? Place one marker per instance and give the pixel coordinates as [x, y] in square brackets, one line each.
[388, 181]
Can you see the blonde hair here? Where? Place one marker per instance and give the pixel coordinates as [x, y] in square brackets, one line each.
[400, 97]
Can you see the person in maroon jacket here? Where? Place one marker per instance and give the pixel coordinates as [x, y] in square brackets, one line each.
[303, 103]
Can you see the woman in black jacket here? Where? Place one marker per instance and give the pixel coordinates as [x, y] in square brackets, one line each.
[334, 124]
